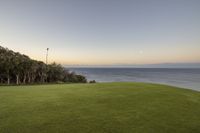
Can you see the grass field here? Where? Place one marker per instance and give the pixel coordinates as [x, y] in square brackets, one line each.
[99, 108]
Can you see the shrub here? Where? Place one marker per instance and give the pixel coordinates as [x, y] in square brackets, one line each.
[92, 81]
[81, 79]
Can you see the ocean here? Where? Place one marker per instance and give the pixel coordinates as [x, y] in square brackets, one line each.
[185, 78]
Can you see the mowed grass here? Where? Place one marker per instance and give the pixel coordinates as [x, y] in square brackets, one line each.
[99, 108]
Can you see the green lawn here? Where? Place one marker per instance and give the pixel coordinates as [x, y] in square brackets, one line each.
[99, 108]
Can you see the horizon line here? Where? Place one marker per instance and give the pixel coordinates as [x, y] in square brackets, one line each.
[159, 65]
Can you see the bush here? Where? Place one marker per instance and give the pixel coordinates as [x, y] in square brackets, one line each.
[74, 78]
[92, 81]
[81, 79]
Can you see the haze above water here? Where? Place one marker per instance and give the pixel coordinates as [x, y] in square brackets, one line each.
[185, 78]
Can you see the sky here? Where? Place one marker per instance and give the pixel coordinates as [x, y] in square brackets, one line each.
[103, 32]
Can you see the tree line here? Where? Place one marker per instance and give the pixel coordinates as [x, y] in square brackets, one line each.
[16, 68]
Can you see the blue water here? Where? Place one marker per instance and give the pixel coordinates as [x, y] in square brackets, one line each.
[185, 78]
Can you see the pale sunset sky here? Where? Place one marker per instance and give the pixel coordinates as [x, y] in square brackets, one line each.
[103, 32]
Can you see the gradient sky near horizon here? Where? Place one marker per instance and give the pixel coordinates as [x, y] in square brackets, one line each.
[103, 32]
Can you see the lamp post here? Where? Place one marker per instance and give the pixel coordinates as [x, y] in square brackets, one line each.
[47, 63]
[47, 56]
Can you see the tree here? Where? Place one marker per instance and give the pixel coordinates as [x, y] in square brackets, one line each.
[55, 72]
[16, 68]
[7, 63]
[41, 71]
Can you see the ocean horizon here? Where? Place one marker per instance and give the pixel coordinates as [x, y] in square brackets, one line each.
[180, 77]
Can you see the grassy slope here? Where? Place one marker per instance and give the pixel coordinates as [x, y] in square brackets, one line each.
[99, 108]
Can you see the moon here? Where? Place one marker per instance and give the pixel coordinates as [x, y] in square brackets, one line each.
[141, 52]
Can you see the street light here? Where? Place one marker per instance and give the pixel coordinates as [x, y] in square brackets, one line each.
[47, 56]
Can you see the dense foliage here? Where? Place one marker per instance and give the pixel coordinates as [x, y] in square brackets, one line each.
[16, 68]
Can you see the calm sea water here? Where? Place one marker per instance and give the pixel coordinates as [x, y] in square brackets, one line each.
[186, 78]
